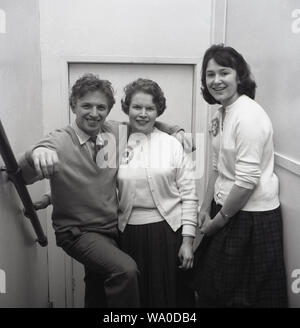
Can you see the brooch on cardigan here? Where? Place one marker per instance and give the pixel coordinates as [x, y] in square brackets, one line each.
[214, 127]
[127, 155]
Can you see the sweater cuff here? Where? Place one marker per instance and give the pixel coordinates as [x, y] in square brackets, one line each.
[244, 184]
[188, 230]
[27, 168]
[28, 157]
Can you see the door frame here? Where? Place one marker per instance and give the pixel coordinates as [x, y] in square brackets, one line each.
[199, 119]
[85, 59]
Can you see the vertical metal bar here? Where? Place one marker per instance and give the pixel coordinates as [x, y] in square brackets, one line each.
[15, 175]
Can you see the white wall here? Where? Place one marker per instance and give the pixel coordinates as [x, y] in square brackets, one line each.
[131, 28]
[116, 28]
[23, 261]
[267, 34]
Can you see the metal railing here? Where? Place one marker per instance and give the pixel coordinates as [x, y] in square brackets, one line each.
[15, 175]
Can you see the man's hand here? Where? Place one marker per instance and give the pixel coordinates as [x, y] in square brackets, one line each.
[44, 202]
[45, 161]
[186, 140]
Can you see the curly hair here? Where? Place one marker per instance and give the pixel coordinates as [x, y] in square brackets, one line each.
[146, 86]
[228, 57]
[90, 83]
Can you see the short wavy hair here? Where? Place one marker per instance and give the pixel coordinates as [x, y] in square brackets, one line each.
[228, 57]
[89, 83]
[146, 86]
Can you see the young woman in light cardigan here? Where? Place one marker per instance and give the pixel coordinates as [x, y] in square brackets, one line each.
[239, 262]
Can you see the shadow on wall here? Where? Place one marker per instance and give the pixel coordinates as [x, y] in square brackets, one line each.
[12, 215]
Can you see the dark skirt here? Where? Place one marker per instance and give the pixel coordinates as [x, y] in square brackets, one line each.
[155, 248]
[242, 265]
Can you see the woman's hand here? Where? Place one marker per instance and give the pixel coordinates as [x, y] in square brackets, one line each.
[186, 254]
[211, 227]
[203, 216]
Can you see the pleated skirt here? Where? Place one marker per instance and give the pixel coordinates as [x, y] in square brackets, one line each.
[155, 248]
[242, 265]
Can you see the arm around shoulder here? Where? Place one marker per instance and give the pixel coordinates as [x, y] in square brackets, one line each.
[167, 128]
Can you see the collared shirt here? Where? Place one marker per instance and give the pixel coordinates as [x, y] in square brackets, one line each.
[84, 139]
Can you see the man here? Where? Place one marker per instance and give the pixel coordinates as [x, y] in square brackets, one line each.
[83, 191]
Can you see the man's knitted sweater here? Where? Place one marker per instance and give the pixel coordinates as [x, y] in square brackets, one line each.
[83, 194]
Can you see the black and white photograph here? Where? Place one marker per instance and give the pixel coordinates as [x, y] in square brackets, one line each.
[149, 156]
